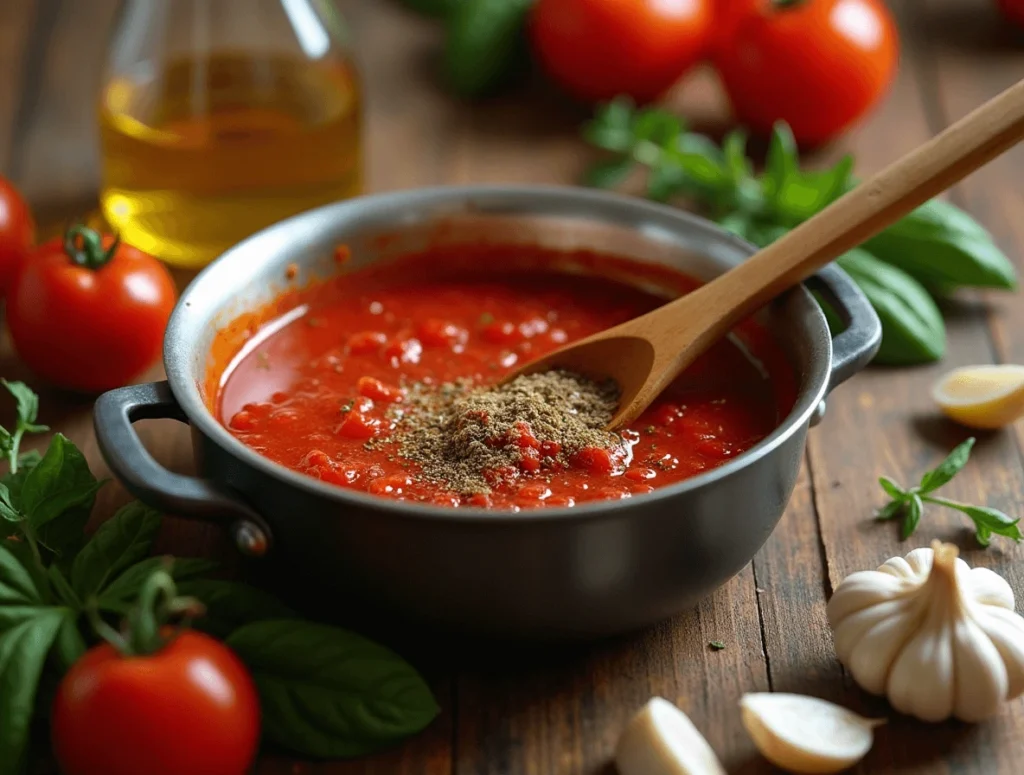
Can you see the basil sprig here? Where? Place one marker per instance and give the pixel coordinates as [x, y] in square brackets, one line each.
[907, 504]
[937, 248]
[323, 690]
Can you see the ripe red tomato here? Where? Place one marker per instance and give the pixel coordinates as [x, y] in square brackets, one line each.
[1013, 10]
[819, 65]
[189, 708]
[88, 314]
[597, 49]
[17, 232]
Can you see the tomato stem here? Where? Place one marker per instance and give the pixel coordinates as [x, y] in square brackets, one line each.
[84, 246]
[145, 628]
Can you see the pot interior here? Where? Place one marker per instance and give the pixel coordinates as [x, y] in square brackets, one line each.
[386, 227]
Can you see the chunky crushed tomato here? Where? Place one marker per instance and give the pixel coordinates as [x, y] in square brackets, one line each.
[312, 379]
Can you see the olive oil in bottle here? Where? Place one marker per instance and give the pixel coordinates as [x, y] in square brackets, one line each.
[202, 151]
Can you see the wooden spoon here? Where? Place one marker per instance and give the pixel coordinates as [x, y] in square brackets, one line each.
[645, 354]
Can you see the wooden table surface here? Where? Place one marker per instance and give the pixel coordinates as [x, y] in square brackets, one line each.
[563, 714]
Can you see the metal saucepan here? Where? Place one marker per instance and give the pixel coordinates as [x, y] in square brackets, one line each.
[551, 574]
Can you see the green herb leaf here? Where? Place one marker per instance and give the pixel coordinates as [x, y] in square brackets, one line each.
[18, 585]
[734, 150]
[23, 651]
[69, 646]
[28, 406]
[60, 481]
[891, 488]
[612, 127]
[8, 510]
[121, 592]
[666, 181]
[781, 162]
[987, 521]
[947, 469]
[891, 510]
[609, 174]
[717, 645]
[655, 126]
[65, 594]
[231, 605]
[938, 242]
[119, 543]
[912, 327]
[329, 693]
[911, 517]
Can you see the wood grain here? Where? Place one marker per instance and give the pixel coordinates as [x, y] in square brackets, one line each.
[540, 714]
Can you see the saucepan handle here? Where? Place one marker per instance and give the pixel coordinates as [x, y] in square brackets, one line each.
[154, 485]
[854, 348]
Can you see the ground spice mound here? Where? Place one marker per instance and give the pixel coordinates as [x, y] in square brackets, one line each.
[470, 439]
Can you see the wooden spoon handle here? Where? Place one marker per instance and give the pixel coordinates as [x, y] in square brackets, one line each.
[868, 209]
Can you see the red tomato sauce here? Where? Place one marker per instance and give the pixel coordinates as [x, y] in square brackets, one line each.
[311, 377]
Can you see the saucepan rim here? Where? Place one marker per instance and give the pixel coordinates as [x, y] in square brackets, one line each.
[625, 211]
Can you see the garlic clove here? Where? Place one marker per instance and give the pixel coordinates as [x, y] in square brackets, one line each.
[1006, 630]
[804, 734]
[661, 740]
[990, 588]
[979, 674]
[862, 590]
[870, 659]
[921, 678]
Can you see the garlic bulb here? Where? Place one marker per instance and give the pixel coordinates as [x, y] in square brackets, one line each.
[661, 740]
[805, 734]
[934, 636]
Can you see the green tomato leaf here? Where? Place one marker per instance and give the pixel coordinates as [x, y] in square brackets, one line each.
[911, 517]
[231, 605]
[328, 693]
[912, 327]
[119, 543]
[610, 173]
[947, 469]
[60, 481]
[939, 243]
[23, 651]
[121, 592]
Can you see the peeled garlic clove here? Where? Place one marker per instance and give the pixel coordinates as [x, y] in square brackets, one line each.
[805, 734]
[661, 740]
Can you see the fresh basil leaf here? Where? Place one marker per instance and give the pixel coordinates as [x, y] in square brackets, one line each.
[782, 160]
[14, 482]
[892, 489]
[8, 510]
[984, 536]
[119, 543]
[665, 181]
[64, 536]
[65, 594]
[912, 327]
[612, 126]
[938, 242]
[60, 481]
[734, 150]
[891, 510]
[329, 693]
[6, 442]
[23, 652]
[655, 126]
[947, 469]
[738, 224]
[69, 646]
[911, 517]
[19, 584]
[804, 194]
[991, 521]
[609, 174]
[120, 594]
[231, 605]
[704, 170]
[28, 406]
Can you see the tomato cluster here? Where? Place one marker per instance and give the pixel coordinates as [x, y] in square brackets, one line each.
[85, 311]
[818, 65]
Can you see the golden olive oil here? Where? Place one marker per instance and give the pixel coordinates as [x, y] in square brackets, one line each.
[210, 151]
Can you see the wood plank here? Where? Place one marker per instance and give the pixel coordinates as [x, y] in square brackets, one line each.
[17, 25]
[884, 423]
